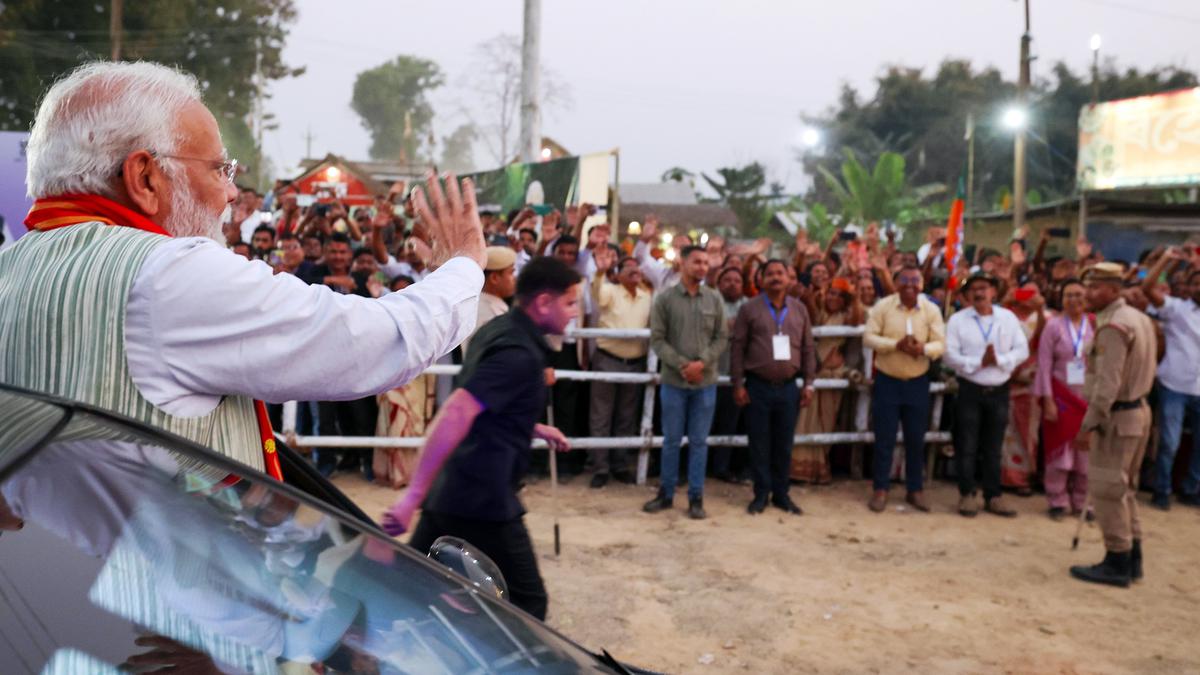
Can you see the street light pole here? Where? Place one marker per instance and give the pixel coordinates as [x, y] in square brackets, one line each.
[1019, 139]
[1095, 69]
[531, 135]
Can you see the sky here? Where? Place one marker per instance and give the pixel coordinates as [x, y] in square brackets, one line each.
[699, 83]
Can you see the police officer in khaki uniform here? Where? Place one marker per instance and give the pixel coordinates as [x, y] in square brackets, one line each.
[1120, 372]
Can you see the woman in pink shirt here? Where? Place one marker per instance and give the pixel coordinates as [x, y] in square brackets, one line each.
[1059, 383]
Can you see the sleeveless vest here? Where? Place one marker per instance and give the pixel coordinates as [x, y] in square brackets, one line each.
[63, 295]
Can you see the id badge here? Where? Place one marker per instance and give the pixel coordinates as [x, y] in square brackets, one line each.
[781, 345]
[1075, 372]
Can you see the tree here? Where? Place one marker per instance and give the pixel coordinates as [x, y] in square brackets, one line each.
[391, 99]
[458, 152]
[741, 189]
[493, 89]
[923, 118]
[218, 41]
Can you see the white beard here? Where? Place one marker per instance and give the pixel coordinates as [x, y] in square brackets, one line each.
[190, 219]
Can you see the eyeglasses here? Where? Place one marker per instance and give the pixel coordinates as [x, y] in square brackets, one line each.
[228, 168]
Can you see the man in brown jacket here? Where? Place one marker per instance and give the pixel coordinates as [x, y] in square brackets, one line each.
[772, 346]
[1120, 373]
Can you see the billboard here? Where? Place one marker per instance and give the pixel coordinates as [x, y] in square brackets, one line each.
[1149, 141]
[14, 205]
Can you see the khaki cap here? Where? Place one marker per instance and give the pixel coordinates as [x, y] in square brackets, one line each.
[1105, 271]
[500, 258]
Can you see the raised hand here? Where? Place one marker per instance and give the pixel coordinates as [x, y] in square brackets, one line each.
[649, 228]
[452, 219]
[605, 258]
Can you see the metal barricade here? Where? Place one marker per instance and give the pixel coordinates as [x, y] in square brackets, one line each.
[647, 440]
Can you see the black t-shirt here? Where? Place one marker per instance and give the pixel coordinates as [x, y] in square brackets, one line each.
[504, 372]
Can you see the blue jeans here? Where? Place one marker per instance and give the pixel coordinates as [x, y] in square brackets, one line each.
[1173, 408]
[689, 410]
[896, 403]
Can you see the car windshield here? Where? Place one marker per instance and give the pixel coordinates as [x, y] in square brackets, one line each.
[136, 553]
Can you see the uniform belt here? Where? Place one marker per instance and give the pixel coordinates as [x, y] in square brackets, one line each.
[628, 362]
[983, 388]
[1127, 405]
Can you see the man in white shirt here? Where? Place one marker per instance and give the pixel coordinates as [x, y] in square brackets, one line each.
[128, 170]
[1178, 377]
[984, 344]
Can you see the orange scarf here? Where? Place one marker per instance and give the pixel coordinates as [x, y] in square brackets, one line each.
[67, 210]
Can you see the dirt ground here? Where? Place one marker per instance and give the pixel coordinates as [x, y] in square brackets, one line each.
[843, 590]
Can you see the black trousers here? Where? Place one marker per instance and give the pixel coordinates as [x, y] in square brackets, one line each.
[725, 423]
[346, 418]
[507, 543]
[980, 416]
[771, 426]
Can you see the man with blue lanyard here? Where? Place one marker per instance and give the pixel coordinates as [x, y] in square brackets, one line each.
[984, 344]
[772, 346]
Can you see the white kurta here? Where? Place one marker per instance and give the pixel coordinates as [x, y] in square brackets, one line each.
[203, 322]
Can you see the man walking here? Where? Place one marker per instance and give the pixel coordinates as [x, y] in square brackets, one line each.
[906, 332]
[772, 345]
[1120, 372]
[688, 332]
[483, 432]
[615, 406]
[984, 344]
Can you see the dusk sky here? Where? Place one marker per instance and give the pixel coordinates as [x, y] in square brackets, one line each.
[701, 83]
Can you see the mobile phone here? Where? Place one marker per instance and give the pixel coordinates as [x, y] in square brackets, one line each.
[1023, 294]
[847, 236]
[1059, 232]
[601, 209]
[322, 210]
[542, 209]
[940, 242]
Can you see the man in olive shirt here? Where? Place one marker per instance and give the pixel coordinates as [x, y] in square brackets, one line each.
[1120, 373]
[906, 331]
[688, 332]
[772, 345]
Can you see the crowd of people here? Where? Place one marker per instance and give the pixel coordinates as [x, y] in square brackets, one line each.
[1010, 328]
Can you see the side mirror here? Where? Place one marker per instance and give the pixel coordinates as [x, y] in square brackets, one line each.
[471, 564]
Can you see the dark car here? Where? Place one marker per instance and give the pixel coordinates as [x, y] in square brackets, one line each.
[126, 549]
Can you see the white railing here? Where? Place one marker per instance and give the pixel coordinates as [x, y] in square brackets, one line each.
[647, 439]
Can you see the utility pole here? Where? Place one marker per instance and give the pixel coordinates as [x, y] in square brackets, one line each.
[970, 196]
[308, 139]
[114, 27]
[531, 114]
[1019, 141]
[1095, 68]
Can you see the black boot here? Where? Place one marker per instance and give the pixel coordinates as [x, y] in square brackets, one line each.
[696, 509]
[1114, 570]
[659, 503]
[1135, 561]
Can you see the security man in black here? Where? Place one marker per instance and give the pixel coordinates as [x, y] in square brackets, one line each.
[483, 434]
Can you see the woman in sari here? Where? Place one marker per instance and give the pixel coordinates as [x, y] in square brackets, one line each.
[837, 306]
[1059, 384]
[403, 412]
[1018, 454]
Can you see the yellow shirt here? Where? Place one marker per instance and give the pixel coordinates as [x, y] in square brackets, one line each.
[619, 309]
[889, 321]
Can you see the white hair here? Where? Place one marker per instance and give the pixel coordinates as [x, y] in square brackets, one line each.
[90, 120]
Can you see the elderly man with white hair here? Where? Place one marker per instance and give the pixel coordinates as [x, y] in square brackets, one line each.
[121, 296]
